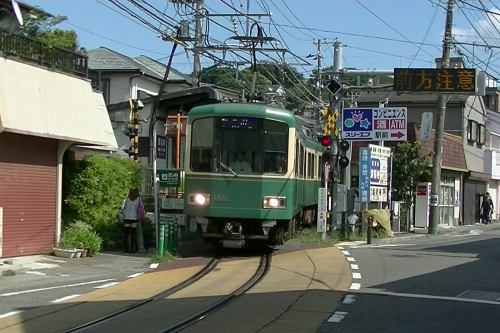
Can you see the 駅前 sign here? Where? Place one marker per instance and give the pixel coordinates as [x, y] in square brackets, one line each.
[374, 124]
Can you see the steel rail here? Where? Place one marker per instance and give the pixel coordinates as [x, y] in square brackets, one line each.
[170, 291]
[262, 270]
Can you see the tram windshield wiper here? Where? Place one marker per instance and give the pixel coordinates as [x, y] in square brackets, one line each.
[228, 168]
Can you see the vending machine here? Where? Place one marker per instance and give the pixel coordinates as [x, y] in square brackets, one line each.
[422, 202]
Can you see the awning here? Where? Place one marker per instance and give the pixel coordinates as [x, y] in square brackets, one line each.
[473, 175]
[39, 102]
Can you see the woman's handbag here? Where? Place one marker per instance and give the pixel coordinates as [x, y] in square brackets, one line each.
[140, 211]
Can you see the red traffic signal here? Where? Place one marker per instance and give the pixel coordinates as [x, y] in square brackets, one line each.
[325, 140]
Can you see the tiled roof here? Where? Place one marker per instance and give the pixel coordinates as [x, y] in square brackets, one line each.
[104, 59]
[159, 69]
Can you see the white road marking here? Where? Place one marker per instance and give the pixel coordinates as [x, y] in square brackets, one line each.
[346, 252]
[366, 246]
[62, 299]
[135, 275]
[351, 259]
[354, 266]
[355, 286]
[52, 288]
[106, 285]
[349, 299]
[155, 265]
[340, 247]
[40, 265]
[337, 317]
[356, 275]
[35, 273]
[8, 314]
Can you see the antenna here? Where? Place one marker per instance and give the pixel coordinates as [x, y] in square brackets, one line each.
[17, 11]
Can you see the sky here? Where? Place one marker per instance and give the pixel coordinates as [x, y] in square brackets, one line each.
[376, 34]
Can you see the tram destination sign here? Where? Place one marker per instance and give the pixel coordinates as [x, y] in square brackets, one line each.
[374, 124]
[435, 80]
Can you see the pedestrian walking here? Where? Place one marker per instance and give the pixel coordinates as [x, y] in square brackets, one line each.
[487, 209]
[133, 213]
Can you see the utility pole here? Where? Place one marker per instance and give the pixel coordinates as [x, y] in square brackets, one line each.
[438, 140]
[318, 80]
[197, 42]
[135, 130]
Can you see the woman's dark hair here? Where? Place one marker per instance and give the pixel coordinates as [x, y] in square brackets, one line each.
[133, 193]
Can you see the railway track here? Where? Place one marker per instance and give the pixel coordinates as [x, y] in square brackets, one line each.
[263, 268]
[200, 274]
[190, 319]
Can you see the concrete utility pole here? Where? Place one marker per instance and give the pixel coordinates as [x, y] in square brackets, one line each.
[318, 80]
[438, 140]
[197, 42]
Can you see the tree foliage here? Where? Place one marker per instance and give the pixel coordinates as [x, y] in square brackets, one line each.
[40, 25]
[94, 189]
[408, 167]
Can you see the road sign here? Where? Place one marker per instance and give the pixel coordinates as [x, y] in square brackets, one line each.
[169, 178]
[378, 193]
[379, 170]
[426, 126]
[446, 80]
[364, 174]
[321, 222]
[374, 124]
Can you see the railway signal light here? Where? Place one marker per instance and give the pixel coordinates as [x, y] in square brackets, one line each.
[327, 157]
[325, 140]
[343, 147]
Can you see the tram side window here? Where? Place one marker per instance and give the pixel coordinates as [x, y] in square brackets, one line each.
[202, 145]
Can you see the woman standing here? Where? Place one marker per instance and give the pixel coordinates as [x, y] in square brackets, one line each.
[131, 210]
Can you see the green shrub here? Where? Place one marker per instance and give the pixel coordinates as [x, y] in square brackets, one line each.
[80, 235]
[94, 189]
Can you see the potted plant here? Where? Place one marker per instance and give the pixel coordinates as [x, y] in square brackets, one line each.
[80, 237]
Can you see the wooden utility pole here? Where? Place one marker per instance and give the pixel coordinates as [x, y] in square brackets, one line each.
[438, 139]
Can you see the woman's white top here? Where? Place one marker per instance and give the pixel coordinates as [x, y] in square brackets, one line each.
[129, 209]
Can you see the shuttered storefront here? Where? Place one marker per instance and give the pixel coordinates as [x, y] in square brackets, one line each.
[28, 190]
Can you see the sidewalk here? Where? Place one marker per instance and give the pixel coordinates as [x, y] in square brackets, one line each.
[442, 231]
[12, 266]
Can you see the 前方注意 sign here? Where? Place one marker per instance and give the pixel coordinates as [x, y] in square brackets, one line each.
[445, 80]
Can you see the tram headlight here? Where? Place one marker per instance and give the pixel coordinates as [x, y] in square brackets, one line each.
[199, 199]
[274, 202]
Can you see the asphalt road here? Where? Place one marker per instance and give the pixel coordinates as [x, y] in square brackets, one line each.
[442, 284]
[44, 280]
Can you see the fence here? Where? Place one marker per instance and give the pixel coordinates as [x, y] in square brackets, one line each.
[43, 54]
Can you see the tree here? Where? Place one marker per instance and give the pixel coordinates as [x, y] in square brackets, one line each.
[408, 167]
[41, 25]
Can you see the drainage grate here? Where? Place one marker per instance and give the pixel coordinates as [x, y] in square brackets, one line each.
[480, 295]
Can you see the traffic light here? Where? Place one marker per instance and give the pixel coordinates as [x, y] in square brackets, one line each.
[325, 140]
[326, 157]
[129, 150]
[343, 147]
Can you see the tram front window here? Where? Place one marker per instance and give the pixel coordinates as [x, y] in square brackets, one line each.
[241, 145]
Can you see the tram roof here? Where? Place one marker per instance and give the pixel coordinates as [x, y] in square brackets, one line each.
[243, 110]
